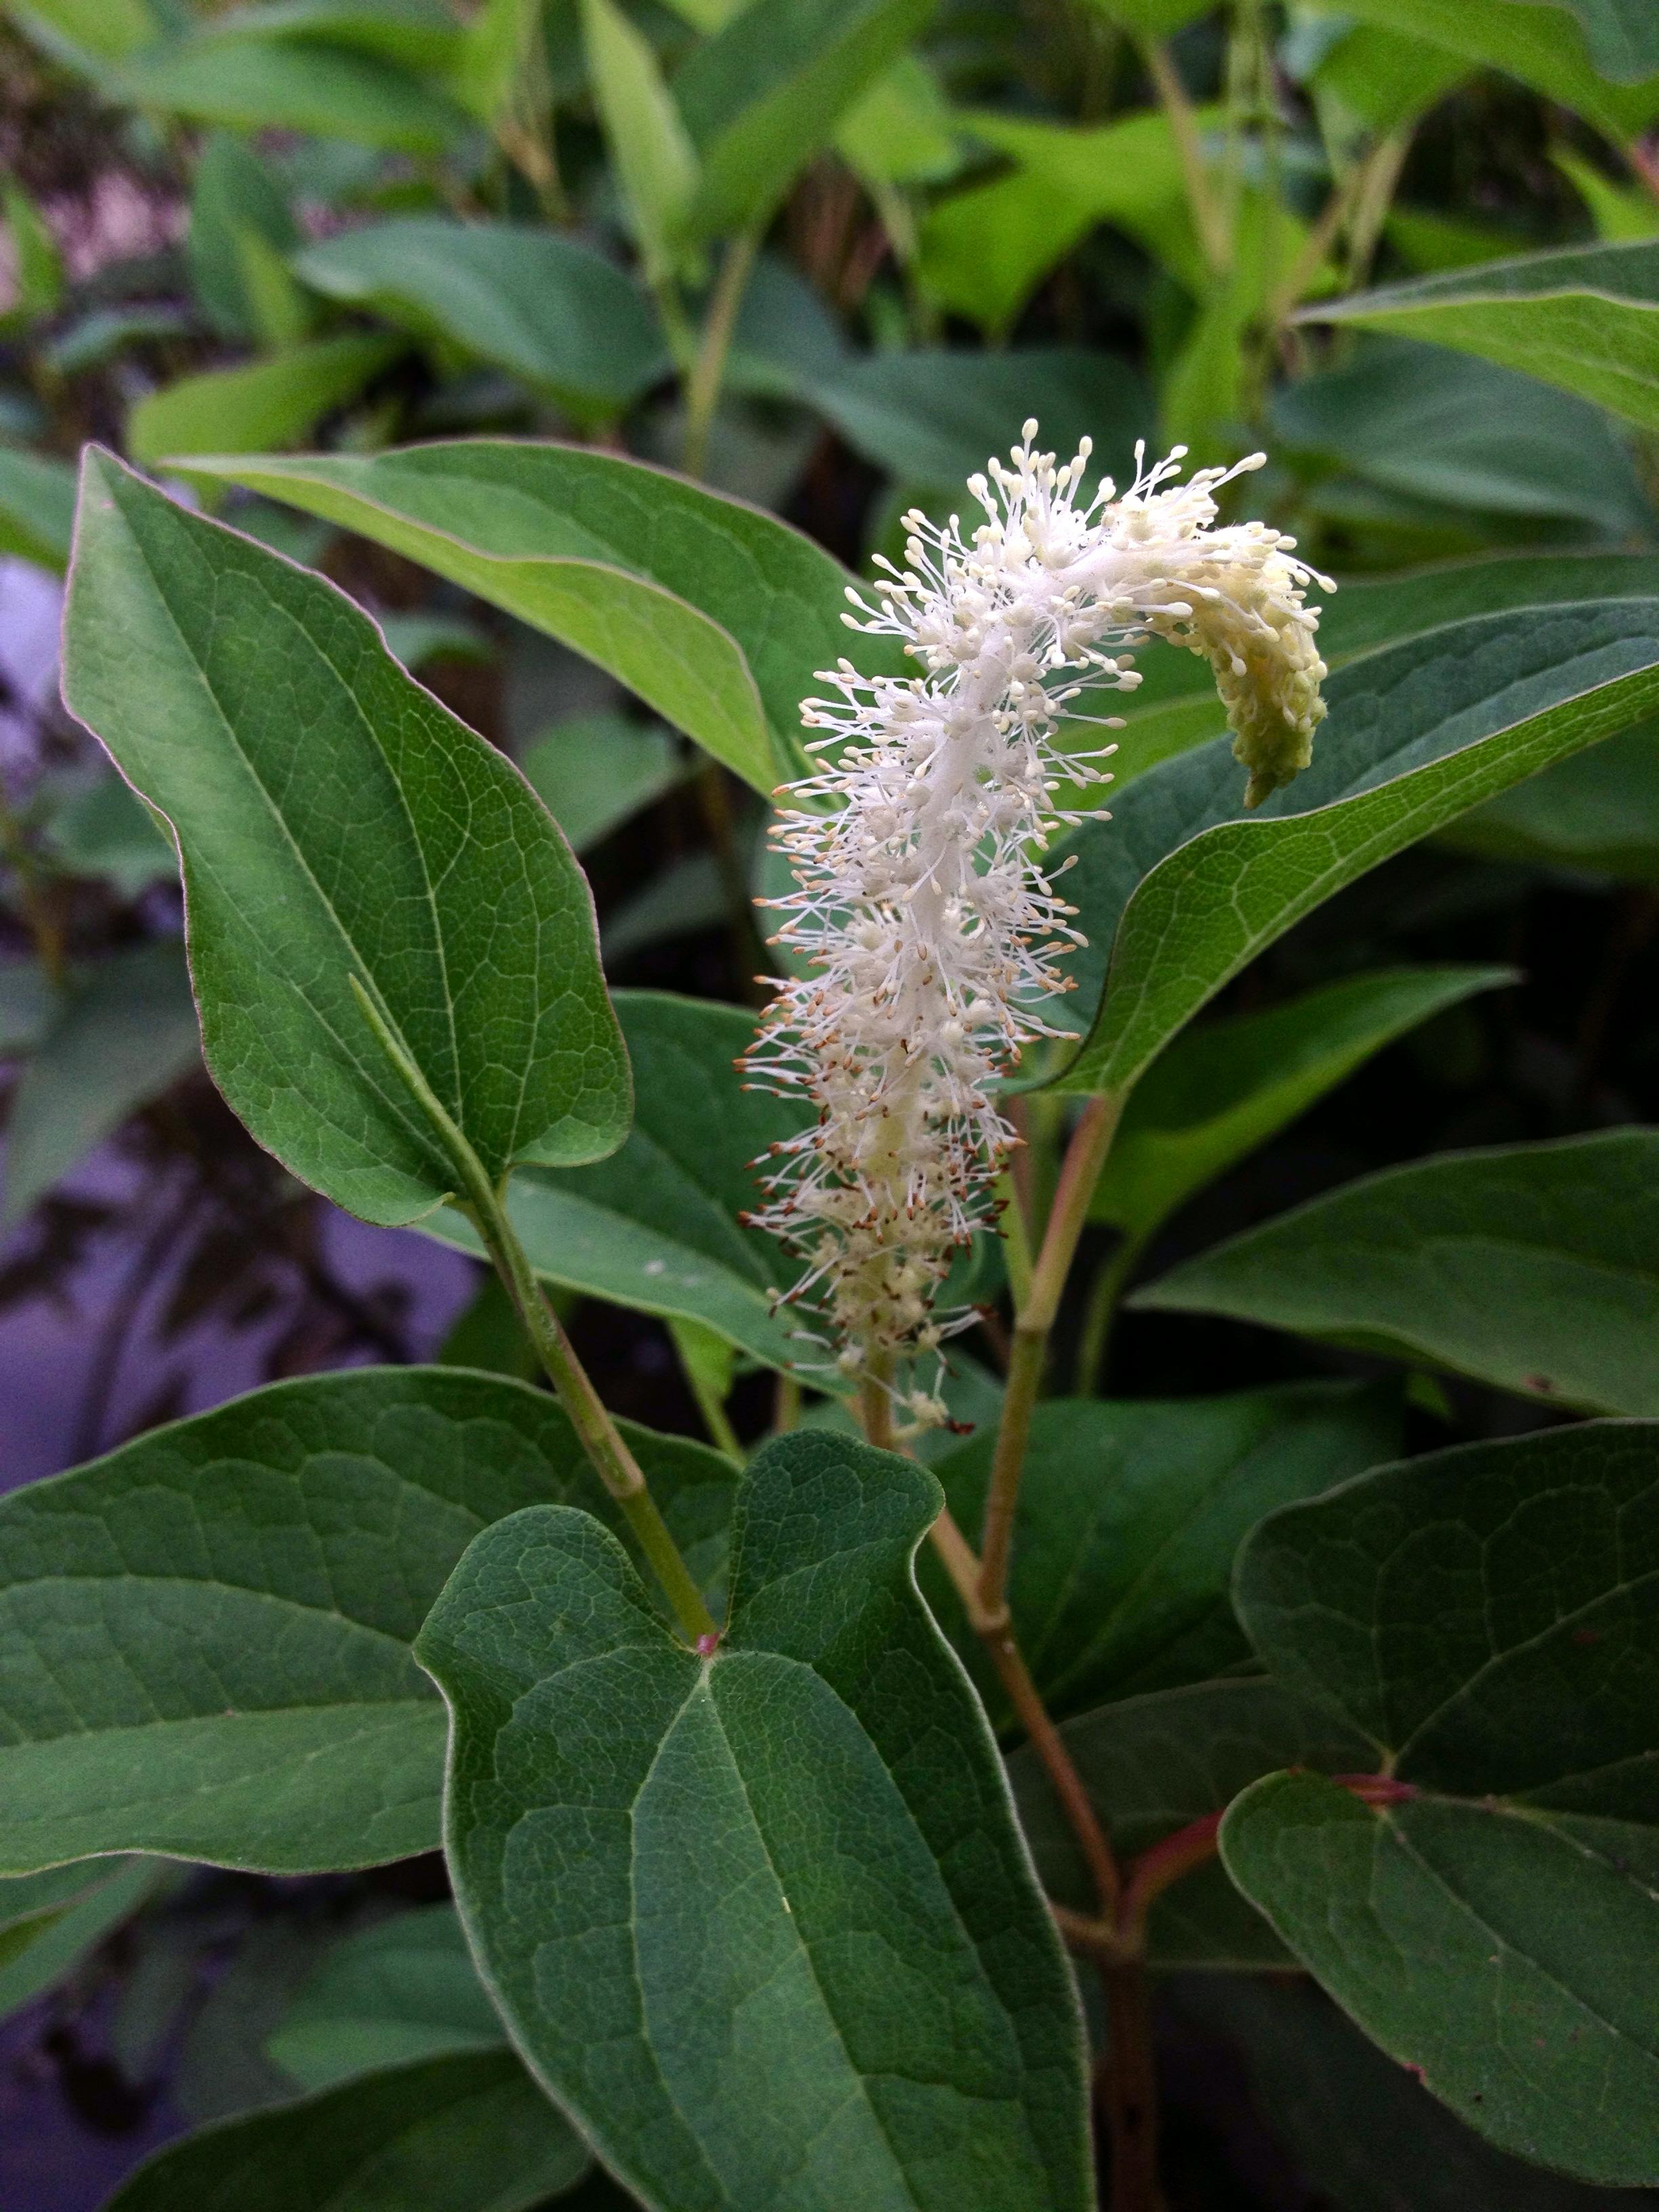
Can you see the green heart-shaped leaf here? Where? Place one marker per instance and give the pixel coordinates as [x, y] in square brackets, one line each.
[761, 1921]
[336, 825]
[204, 1636]
[1489, 1618]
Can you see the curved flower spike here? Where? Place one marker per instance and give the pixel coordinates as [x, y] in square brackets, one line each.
[932, 931]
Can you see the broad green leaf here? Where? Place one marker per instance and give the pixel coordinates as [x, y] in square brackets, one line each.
[204, 1636]
[278, 85]
[1153, 1764]
[594, 771]
[792, 1886]
[1330, 2097]
[392, 1994]
[417, 34]
[1585, 318]
[1219, 1091]
[36, 507]
[1533, 1267]
[336, 821]
[1130, 1514]
[657, 1227]
[932, 416]
[1152, 19]
[1180, 893]
[462, 2134]
[655, 164]
[549, 309]
[1541, 45]
[1369, 81]
[121, 1039]
[1599, 810]
[234, 195]
[1487, 1617]
[1467, 434]
[766, 91]
[716, 615]
[274, 401]
[50, 1920]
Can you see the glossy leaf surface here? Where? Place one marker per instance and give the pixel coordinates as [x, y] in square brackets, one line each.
[1535, 1266]
[205, 1635]
[334, 822]
[716, 614]
[1489, 1618]
[1181, 892]
[1130, 1514]
[465, 2134]
[792, 1886]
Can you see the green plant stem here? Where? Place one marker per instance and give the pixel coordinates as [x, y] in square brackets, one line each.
[786, 1412]
[1034, 1323]
[1105, 1292]
[715, 346]
[1209, 217]
[615, 1465]
[876, 1402]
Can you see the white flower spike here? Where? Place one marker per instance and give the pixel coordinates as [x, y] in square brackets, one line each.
[931, 928]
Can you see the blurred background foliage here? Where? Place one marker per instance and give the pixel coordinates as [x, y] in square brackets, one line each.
[825, 255]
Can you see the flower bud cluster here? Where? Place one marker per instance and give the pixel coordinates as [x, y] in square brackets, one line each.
[920, 906]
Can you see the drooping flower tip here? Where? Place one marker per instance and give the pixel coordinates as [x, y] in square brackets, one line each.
[933, 936]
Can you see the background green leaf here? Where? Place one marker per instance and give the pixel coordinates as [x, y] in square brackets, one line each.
[49, 1921]
[1130, 1514]
[548, 309]
[657, 1227]
[335, 821]
[793, 1883]
[1599, 810]
[1487, 1617]
[1584, 317]
[36, 507]
[123, 1038]
[462, 2134]
[205, 1635]
[278, 85]
[392, 1994]
[1152, 1764]
[276, 401]
[1535, 1266]
[1218, 1091]
[767, 90]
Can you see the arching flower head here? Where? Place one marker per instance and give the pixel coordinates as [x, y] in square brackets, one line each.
[920, 903]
